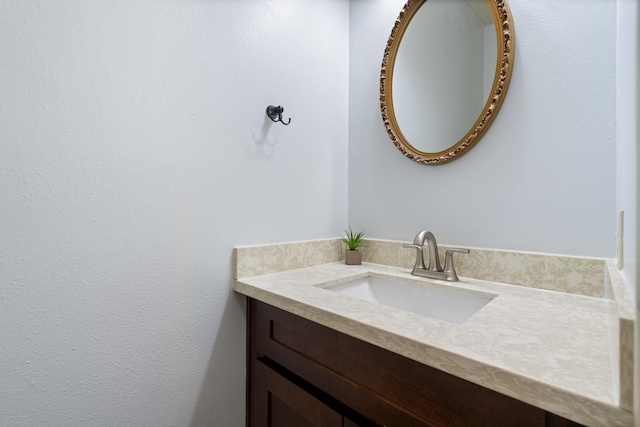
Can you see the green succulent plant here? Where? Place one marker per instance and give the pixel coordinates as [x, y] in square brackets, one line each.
[352, 240]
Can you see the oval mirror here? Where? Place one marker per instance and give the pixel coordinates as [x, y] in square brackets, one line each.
[445, 76]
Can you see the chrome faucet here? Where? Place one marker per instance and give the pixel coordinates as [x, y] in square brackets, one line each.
[434, 271]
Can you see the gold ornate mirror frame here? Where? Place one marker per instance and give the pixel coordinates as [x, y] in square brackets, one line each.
[504, 64]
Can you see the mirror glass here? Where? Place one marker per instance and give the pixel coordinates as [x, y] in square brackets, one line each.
[451, 42]
[444, 76]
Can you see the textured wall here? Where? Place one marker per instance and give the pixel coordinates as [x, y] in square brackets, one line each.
[627, 133]
[543, 178]
[134, 154]
[628, 117]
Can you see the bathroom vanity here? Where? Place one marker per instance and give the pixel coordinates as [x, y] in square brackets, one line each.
[319, 357]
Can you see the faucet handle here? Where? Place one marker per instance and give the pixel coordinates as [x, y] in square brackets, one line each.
[448, 263]
[419, 256]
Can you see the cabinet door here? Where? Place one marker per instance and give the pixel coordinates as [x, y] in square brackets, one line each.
[277, 402]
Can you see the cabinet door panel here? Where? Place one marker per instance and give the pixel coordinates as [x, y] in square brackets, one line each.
[553, 420]
[280, 403]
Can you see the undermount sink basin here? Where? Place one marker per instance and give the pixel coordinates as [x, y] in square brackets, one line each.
[429, 299]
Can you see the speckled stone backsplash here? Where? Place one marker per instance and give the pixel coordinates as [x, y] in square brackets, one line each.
[577, 275]
[621, 324]
[264, 259]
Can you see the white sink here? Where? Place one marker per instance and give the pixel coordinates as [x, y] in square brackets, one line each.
[442, 302]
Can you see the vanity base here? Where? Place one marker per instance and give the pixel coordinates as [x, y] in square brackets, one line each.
[300, 373]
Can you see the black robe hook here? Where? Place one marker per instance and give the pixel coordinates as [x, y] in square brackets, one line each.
[275, 114]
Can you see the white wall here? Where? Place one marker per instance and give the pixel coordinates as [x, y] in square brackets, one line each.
[627, 133]
[628, 155]
[134, 154]
[543, 178]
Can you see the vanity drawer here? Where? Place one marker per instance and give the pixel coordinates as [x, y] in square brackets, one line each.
[385, 387]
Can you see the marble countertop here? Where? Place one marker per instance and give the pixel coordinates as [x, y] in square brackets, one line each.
[549, 349]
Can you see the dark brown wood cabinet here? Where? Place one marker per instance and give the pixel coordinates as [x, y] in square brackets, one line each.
[301, 373]
[280, 402]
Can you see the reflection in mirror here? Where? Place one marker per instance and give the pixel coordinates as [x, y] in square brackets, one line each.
[436, 111]
[444, 76]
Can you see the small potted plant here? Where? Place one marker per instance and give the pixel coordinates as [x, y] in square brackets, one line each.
[353, 241]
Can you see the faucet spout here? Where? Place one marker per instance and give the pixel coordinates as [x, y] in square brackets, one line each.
[434, 259]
